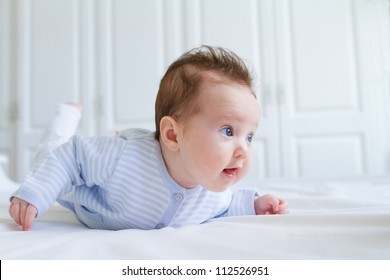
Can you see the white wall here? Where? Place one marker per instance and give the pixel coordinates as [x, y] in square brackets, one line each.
[322, 68]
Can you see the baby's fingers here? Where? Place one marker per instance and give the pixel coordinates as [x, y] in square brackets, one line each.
[22, 212]
[282, 207]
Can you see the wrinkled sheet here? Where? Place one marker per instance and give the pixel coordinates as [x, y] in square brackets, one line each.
[329, 219]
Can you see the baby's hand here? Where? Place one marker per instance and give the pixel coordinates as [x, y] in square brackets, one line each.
[269, 204]
[22, 212]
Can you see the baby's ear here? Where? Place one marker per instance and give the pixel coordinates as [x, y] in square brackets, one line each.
[168, 132]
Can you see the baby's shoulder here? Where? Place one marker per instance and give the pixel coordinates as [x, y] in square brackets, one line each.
[136, 133]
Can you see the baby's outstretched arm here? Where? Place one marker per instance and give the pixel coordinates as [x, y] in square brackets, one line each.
[269, 204]
[23, 212]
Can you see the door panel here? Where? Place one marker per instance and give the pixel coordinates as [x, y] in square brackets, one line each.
[132, 55]
[47, 70]
[324, 119]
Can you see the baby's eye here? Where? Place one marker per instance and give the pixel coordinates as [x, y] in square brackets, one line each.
[249, 138]
[228, 131]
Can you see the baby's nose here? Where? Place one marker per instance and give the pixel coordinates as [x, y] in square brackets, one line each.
[241, 150]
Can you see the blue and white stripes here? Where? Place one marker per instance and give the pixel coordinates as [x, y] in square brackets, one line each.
[117, 183]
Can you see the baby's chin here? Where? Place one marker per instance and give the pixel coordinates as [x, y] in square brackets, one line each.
[221, 187]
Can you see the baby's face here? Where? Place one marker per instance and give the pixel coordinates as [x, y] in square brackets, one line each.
[215, 143]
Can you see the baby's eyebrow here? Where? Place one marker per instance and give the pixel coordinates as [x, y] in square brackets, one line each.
[232, 116]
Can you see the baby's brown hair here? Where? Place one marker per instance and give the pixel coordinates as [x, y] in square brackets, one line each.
[176, 96]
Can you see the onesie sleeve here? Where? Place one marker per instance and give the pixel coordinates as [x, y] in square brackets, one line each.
[79, 162]
[242, 203]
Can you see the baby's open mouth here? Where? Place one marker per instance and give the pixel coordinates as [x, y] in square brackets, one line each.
[230, 172]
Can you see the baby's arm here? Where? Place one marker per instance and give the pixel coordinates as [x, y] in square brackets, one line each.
[269, 204]
[22, 212]
[52, 177]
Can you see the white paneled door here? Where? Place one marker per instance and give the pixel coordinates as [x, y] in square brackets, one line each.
[329, 55]
[321, 67]
[325, 89]
[47, 69]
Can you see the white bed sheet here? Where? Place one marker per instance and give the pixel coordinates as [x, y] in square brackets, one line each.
[343, 219]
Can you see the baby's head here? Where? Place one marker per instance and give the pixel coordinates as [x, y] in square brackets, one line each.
[206, 116]
[179, 87]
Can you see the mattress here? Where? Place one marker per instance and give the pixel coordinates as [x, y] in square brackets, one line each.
[328, 220]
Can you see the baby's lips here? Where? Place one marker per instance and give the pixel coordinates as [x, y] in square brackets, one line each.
[231, 171]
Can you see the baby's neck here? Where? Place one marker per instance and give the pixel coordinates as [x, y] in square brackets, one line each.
[175, 167]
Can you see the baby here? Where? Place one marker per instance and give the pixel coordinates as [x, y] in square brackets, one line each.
[181, 174]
